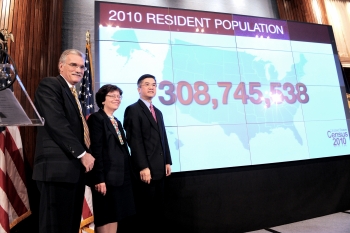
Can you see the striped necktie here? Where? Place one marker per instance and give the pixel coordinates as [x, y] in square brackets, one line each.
[86, 128]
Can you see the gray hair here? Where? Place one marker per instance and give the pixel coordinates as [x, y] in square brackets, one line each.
[67, 52]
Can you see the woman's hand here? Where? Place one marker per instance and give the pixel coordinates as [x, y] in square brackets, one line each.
[101, 188]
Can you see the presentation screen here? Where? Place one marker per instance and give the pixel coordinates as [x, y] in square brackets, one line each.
[234, 90]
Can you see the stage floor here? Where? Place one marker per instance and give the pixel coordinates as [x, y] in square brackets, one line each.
[333, 223]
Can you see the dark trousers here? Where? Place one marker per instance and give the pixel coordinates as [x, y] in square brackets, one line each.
[149, 202]
[60, 206]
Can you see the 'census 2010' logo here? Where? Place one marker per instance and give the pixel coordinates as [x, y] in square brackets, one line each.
[339, 136]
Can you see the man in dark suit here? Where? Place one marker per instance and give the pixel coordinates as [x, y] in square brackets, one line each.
[150, 154]
[62, 150]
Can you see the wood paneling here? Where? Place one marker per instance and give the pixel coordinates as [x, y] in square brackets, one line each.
[310, 11]
[37, 29]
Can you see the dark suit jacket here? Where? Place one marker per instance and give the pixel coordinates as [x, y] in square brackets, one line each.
[61, 140]
[107, 150]
[147, 140]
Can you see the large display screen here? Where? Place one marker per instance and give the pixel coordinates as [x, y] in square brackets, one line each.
[234, 90]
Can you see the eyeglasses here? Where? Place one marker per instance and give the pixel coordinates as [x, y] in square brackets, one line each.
[149, 85]
[75, 65]
[115, 96]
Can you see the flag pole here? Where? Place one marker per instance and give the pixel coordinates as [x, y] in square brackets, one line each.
[88, 46]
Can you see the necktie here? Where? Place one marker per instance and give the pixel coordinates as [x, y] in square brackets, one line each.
[86, 129]
[115, 124]
[153, 112]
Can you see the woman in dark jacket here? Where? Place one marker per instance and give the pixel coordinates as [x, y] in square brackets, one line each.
[110, 178]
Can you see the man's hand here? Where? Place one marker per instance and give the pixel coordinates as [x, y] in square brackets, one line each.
[167, 169]
[145, 175]
[88, 161]
[101, 188]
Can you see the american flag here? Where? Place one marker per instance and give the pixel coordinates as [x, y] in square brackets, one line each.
[5, 79]
[14, 203]
[87, 104]
[86, 93]
[87, 218]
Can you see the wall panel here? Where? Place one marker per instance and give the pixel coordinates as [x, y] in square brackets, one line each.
[310, 11]
[36, 26]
